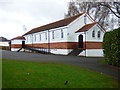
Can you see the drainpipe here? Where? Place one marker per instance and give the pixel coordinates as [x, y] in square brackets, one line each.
[48, 41]
[85, 33]
[10, 45]
[85, 43]
[32, 41]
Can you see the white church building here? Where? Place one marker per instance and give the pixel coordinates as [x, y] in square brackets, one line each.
[76, 33]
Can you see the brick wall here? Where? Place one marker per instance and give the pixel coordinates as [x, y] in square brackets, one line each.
[16, 45]
[63, 45]
[93, 45]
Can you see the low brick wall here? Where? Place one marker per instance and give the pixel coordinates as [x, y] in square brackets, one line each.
[63, 45]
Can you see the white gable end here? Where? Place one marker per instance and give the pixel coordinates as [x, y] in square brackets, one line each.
[76, 25]
[95, 28]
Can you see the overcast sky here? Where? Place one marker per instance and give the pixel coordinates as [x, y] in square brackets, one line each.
[31, 13]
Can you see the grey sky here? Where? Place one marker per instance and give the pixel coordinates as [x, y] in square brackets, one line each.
[32, 13]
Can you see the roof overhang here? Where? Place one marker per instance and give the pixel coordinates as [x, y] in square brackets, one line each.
[86, 27]
[19, 38]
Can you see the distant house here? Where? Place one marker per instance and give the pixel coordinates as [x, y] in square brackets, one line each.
[64, 36]
[4, 41]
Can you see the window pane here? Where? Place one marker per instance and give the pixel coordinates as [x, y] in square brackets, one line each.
[40, 37]
[53, 34]
[61, 33]
[93, 34]
[35, 37]
[46, 35]
[98, 34]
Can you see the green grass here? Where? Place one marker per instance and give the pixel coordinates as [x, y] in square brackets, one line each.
[51, 75]
[102, 61]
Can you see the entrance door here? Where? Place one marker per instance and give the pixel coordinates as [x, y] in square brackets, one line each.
[80, 41]
[23, 44]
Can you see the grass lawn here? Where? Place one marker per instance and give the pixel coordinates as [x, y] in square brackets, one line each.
[26, 74]
[102, 61]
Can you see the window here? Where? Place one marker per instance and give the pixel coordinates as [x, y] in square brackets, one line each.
[93, 34]
[85, 19]
[98, 34]
[26, 39]
[46, 35]
[61, 33]
[40, 37]
[30, 38]
[52, 34]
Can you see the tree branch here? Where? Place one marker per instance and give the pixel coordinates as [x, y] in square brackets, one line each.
[108, 6]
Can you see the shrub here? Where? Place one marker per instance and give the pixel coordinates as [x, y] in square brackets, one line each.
[4, 47]
[111, 46]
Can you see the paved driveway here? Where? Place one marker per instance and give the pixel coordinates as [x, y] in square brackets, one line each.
[90, 63]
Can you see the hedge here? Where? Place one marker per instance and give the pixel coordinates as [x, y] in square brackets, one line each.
[4, 47]
[111, 47]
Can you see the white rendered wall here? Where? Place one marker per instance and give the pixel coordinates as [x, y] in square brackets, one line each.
[96, 28]
[75, 26]
[89, 38]
[88, 35]
[56, 51]
[4, 43]
[57, 36]
[59, 51]
[89, 19]
[82, 53]
[17, 41]
[92, 53]
[15, 49]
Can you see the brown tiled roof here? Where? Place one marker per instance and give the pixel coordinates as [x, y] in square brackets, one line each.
[19, 37]
[86, 27]
[60, 23]
[97, 22]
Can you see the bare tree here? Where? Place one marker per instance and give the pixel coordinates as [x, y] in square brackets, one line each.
[101, 11]
[114, 7]
[72, 9]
